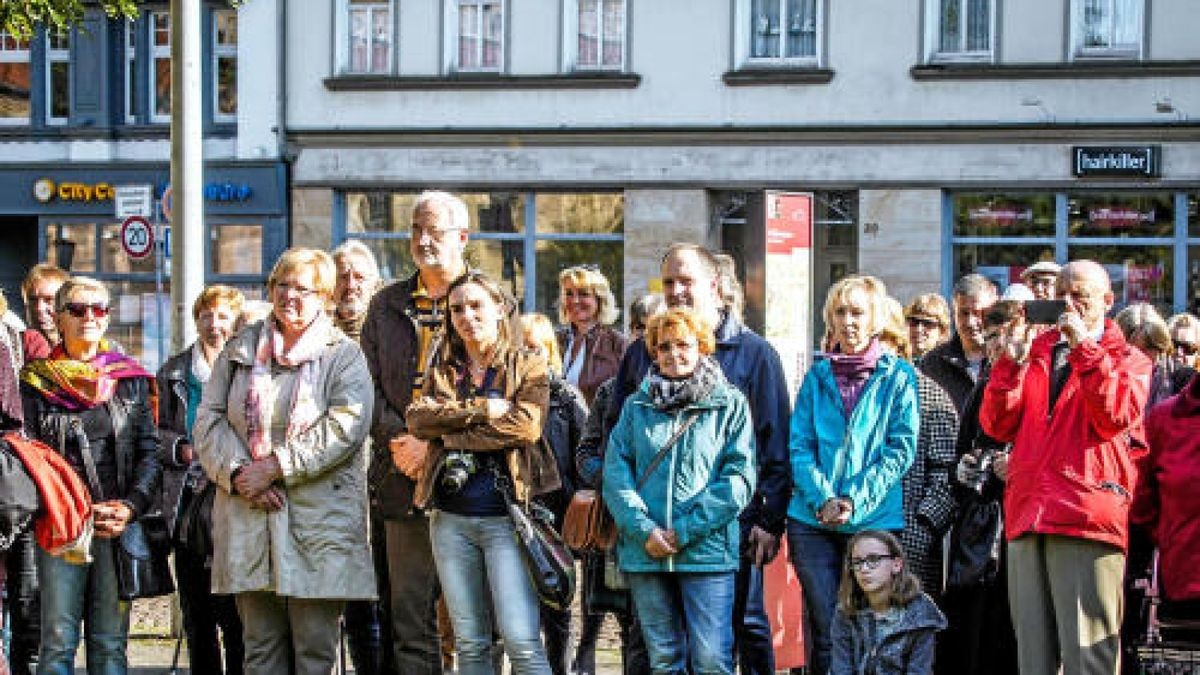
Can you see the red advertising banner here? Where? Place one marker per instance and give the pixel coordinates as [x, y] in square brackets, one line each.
[789, 221]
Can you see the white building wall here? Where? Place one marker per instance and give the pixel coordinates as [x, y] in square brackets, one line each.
[258, 74]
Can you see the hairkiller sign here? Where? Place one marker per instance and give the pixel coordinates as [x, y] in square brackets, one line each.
[1134, 161]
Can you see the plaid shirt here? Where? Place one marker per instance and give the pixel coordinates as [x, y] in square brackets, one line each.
[929, 504]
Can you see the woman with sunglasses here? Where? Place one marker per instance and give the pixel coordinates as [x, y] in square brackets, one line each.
[94, 405]
[481, 413]
[280, 430]
[590, 346]
[928, 319]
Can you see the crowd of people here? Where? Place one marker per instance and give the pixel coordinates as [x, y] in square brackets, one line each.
[961, 488]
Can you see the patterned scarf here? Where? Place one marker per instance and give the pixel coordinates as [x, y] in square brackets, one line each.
[82, 385]
[671, 395]
[259, 399]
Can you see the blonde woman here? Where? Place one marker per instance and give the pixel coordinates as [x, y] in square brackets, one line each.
[591, 347]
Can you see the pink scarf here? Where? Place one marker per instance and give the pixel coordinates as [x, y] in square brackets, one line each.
[259, 404]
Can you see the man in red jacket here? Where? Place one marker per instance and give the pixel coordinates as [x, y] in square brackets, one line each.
[1070, 401]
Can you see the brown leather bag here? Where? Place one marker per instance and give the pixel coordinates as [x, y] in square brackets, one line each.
[588, 526]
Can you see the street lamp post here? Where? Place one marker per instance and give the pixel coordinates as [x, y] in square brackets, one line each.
[187, 169]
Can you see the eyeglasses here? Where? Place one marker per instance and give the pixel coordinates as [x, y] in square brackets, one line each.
[1185, 348]
[927, 324]
[300, 291]
[80, 310]
[437, 233]
[869, 563]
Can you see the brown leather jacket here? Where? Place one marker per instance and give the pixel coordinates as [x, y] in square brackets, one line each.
[451, 423]
[605, 346]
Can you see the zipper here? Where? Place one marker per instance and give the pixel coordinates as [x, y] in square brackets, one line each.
[670, 459]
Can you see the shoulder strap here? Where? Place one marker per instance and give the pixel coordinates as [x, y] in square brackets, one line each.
[662, 453]
[89, 462]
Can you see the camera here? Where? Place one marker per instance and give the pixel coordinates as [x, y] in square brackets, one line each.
[457, 468]
[982, 469]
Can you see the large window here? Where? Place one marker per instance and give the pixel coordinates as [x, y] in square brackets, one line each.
[159, 27]
[1143, 239]
[779, 32]
[1107, 28]
[475, 34]
[225, 43]
[14, 80]
[523, 239]
[595, 34]
[58, 76]
[959, 30]
[368, 47]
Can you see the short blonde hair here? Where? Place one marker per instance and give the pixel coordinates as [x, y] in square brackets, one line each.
[894, 329]
[538, 327]
[872, 287]
[930, 305]
[683, 320]
[42, 272]
[320, 262]
[593, 281]
[218, 294]
[74, 284]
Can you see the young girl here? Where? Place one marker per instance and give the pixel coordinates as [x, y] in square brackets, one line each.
[885, 625]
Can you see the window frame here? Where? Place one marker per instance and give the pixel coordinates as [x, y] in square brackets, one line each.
[1079, 52]
[129, 40]
[343, 44]
[13, 56]
[933, 31]
[220, 51]
[54, 55]
[452, 35]
[570, 39]
[153, 53]
[743, 48]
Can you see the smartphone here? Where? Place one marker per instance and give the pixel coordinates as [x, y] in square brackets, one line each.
[1044, 312]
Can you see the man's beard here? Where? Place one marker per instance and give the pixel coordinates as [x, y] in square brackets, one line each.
[352, 307]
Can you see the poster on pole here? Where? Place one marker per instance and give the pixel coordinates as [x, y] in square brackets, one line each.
[788, 269]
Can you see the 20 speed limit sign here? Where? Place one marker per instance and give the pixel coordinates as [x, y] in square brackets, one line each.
[137, 237]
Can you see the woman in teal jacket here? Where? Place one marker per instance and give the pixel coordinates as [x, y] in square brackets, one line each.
[677, 516]
[853, 436]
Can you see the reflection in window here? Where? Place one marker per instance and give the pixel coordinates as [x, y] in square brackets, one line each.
[1138, 273]
[601, 34]
[783, 29]
[1109, 215]
[131, 91]
[380, 211]
[964, 27]
[591, 213]
[1002, 264]
[77, 240]
[225, 40]
[160, 66]
[141, 320]
[58, 76]
[370, 43]
[1001, 215]
[556, 256]
[1108, 27]
[237, 249]
[14, 80]
[480, 34]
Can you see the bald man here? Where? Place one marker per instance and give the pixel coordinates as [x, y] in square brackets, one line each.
[1070, 401]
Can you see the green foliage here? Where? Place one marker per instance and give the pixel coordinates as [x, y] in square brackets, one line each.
[20, 17]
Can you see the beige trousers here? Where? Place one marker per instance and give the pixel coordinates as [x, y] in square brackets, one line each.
[1067, 601]
[280, 632]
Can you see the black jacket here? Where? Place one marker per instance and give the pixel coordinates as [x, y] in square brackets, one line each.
[947, 365]
[172, 427]
[136, 438]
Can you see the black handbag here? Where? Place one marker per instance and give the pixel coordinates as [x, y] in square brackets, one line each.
[548, 561]
[140, 553]
[192, 531]
[975, 544]
[18, 497]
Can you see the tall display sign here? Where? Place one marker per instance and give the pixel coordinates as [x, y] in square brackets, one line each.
[788, 282]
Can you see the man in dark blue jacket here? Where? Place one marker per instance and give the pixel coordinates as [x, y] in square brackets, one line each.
[691, 278]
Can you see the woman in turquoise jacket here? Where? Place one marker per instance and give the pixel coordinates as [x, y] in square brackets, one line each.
[677, 516]
[853, 436]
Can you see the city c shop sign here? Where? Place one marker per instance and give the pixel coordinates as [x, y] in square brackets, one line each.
[46, 190]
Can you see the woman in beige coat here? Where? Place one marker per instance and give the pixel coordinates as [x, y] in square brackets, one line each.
[280, 430]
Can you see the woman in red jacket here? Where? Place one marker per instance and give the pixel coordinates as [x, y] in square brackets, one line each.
[1168, 503]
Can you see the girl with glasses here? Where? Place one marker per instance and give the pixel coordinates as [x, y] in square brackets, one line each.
[884, 623]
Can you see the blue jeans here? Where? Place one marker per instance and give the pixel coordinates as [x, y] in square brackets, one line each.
[480, 567]
[685, 619]
[817, 558]
[76, 593]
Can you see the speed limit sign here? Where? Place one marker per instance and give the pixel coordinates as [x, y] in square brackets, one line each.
[137, 237]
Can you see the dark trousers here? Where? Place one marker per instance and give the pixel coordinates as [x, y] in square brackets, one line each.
[414, 594]
[556, 634]
[598, 600]
[817, 556]
[753, 647]
[979, 634]
[24, 611]
[368, 623]
[203, 614]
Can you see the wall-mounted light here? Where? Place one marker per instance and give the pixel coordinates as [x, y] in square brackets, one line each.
[1164, 106]
[1036, 102]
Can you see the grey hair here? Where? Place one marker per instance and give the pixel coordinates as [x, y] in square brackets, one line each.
[79, 283]
[644, 307]
[438, 201]
[974, 285]
[1142, 321]
[355, 248]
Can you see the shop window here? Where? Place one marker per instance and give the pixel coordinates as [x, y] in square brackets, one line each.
[1137, 273]
[595, 34]
[959, 30]
[14, 80]
[1002, 264]
[779, 32]
[368, 42]
[159, 27]
[58, 76]
[114, 260]
[72, 246]
[237, 249]
[225, 47]
[1121, 216]
[1004, 215]
[1107, 28]
[475, 34]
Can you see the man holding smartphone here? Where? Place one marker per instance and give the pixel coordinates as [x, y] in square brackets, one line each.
[1070, 401]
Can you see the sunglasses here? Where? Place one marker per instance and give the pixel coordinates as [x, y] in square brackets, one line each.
[1185, 348]
[927, 324]
[80, 310]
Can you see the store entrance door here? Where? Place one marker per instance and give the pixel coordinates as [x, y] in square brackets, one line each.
[18, 253]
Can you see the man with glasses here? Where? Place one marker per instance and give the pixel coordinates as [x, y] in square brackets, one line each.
[956, 364]
[1185, 338]
[402, 325]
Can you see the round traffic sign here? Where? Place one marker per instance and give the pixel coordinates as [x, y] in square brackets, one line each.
[137, 237]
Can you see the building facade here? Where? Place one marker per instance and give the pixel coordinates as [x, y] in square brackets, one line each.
[936, 137]
[86, 111]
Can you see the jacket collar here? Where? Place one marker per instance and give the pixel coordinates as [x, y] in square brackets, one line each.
[954, 353]
[176, 368]
[729, 330]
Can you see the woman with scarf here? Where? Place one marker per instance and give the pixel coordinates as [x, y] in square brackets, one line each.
[280, 430]
[95, 406]
[853, 437]
[480, 419]
[678, 470]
